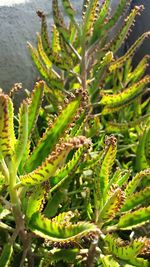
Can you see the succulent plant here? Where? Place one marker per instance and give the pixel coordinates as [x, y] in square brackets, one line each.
[69, 195]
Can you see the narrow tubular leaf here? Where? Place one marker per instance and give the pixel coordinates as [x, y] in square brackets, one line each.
[35, 201]
[44, 31]
[112, 206]
[140, 69]
[142, 149]
[147, 146]
[68, 8]
[125, 252]
[136, 199]
[109, 261]
[126, 95]
[116, 43]
[64, 217]
[102, 16]
[42, 53]
[48, 53]
[2, 182]
[135, 182]
[56, 232]
[22, 140]
[7, 135]
[52, 135]
[123, 127]
[131, 51]
[58, 20]
[119, 11]
[53, 203]
[90, 17]
[55, 40]
[53, 162]
[134, 219]
[138, 262]
[34, 105]
[56, 255]
[69, 167]
[6, 255]
[47, 74]
[106, 166]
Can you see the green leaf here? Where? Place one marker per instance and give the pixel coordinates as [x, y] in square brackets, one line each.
[118, 12]
[4, 213]
[122, 251]
[55, 40]
[42, 53]
[141, 159]
[147, 146]
[55, 255]
[106, 166]
[6, 255]
[134, 219]
[90, 15]
[35, 201]
[7, 135]
[124, 179]
[51, 77]
[59, 22]
[68, 168]
[68, 9]
[62, 233]
[2, 180]
[109, 261]
[112, 206]
[102, 16]
[52, 135]
[136, 199]
[129, 54]
[54, 203]
[135, 182]
[117, 42]
[138, 262]
[140, 69]
[34, 105]
[22, 140]
[53, 162]
[125, 96]
[64, 217]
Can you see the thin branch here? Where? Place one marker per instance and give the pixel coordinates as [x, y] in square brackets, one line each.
[92, 253]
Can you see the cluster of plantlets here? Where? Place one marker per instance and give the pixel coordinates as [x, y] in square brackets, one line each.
[66, 198]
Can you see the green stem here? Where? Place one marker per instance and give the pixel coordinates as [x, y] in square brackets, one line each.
[83, 68]
[16, 208]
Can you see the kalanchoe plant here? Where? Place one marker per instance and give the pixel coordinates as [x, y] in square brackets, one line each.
[50, 210]
[66, 198]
